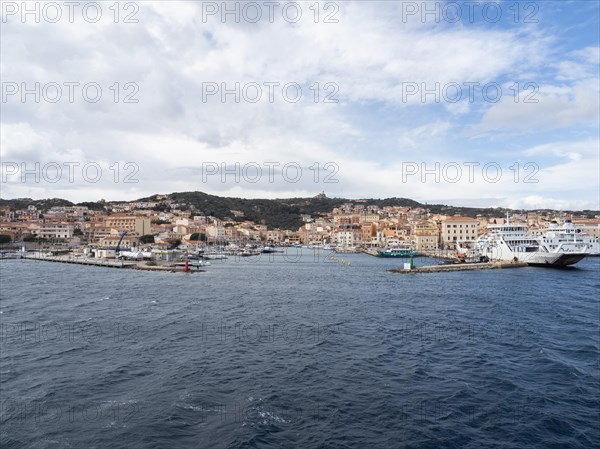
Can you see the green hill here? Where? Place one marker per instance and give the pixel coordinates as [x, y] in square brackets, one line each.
[276, 213]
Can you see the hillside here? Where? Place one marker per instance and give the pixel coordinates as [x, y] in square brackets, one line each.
[276, 213]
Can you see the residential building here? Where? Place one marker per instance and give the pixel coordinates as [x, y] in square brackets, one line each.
[56, 231]
[458, 229]
[588, 226]
[129, 223]
[426, 236]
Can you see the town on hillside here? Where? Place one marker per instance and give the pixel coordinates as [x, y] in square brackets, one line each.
[165, 226]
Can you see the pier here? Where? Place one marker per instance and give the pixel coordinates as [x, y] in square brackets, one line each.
[461, 267]
[111, 263]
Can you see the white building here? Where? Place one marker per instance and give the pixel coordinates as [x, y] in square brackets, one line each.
[345, 238]
[56, 231]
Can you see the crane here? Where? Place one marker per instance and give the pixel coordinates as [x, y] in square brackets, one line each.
[123, 234]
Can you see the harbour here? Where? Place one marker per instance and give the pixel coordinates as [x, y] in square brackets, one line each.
[300, 225]
[448, 264]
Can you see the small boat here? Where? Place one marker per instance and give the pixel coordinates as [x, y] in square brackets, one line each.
[214, 256]
[398, 251]
[271, 249]
[248, 253]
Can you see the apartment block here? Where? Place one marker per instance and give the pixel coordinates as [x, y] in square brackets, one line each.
[129, 223]
[459, 229]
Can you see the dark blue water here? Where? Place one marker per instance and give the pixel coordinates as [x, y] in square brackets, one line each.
[307, 354]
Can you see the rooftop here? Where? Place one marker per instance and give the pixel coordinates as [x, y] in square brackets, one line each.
[459, 219]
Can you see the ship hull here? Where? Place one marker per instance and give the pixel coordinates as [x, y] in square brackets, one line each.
[564, 260]
[535, 258]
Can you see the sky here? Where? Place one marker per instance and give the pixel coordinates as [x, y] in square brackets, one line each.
[492, 104]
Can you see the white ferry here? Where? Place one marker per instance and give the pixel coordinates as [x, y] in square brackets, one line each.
[512, 242]
[567, 238]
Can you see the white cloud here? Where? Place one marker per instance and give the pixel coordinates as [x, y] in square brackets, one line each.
[552, 107]
[369, 54]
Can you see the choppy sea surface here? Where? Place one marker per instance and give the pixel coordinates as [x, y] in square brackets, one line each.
[305, 352]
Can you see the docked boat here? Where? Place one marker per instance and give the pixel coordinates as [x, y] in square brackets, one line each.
[248, 253]
[10, 255]
[193, 263]
[512, 242]
[214, 256]
[567, 238]
[467, 252]
[398, 251]
[346, 249]
[270, 250]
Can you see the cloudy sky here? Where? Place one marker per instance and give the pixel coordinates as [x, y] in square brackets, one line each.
[494, 104]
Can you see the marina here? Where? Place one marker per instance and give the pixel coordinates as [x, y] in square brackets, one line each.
[449, 264]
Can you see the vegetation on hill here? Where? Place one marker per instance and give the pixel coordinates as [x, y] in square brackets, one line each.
[22, 203]
[276, 213]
